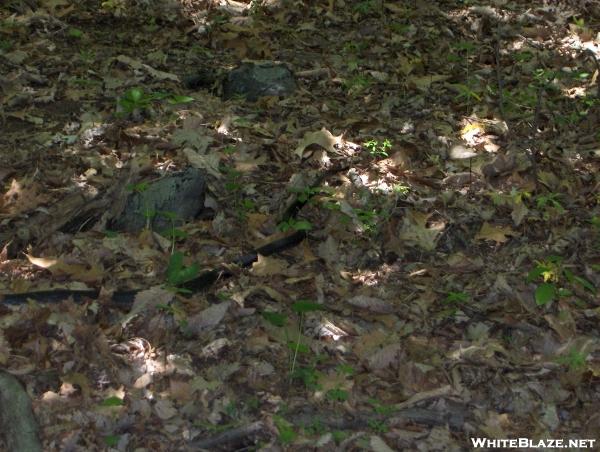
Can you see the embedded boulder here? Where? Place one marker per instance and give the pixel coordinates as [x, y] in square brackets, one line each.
[258, 79]
[167, 202]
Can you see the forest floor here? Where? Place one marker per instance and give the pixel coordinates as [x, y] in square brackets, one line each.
[445, 155]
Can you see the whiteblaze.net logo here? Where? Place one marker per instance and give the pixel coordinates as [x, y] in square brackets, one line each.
[488, 443]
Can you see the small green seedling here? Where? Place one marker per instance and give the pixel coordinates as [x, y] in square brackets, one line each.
[456, 297]
[6, 45]
[369, 219]
[452, 301]
[377, 149]
[86, 56]
[232, 410]
[112, 401]
[377, 426]
[116, 7]
[357, 84]
[112, 440]
[177, 273]
[307, 375]
[301, 307]
[345, 369]
[295, 224]
[555, 276]
[550, 203]
[257, 8]
[337, 395]
[523, 56]
[148, 213]
[275, 318]
[135, 101]
[316, 427]
[172, 233]
[366, 7]
[229, 150]
[543, 77]
[575, 360]
[579, 23]
[140, 187]
[352, 47]
[233, 176]
[305, 194]
[339, 436]
[379, 408]
[285, 429]
[243, 207]
[175, 99]
[465, 93]
[74, 33]
[401, 190]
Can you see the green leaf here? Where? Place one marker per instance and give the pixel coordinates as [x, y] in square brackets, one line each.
[284, 226]
[585, 284]
[274, 318]
[139, 187]
[286, 432]
[538, 271]
[177, 273]
[545, 293]
[175, 264]
[112, 401]
[457, 297]
[134, 94]
[345, 369]
[168, 214]
[300, 348]
[187, 274]
[149, 213]
[111, 440]
[302, 225]
[302, 306]
[562, 292]
[180, 100]
[75, 33]
[337, 395]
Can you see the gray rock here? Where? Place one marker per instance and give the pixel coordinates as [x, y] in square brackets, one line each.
[254, 80]
[180, 195]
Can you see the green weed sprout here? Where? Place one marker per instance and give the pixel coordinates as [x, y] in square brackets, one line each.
[575, 360]
[555, 277]
[300, 307]
[135, 101]
[177, 273]
[377, 149]
[141, 187]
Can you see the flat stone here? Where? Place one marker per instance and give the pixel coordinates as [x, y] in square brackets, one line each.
[180, 195]
[255, 80]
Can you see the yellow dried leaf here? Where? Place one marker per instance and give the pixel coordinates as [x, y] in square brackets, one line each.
[498, 234]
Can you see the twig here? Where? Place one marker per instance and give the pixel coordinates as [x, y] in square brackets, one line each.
[535, 127]
[499, 79]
